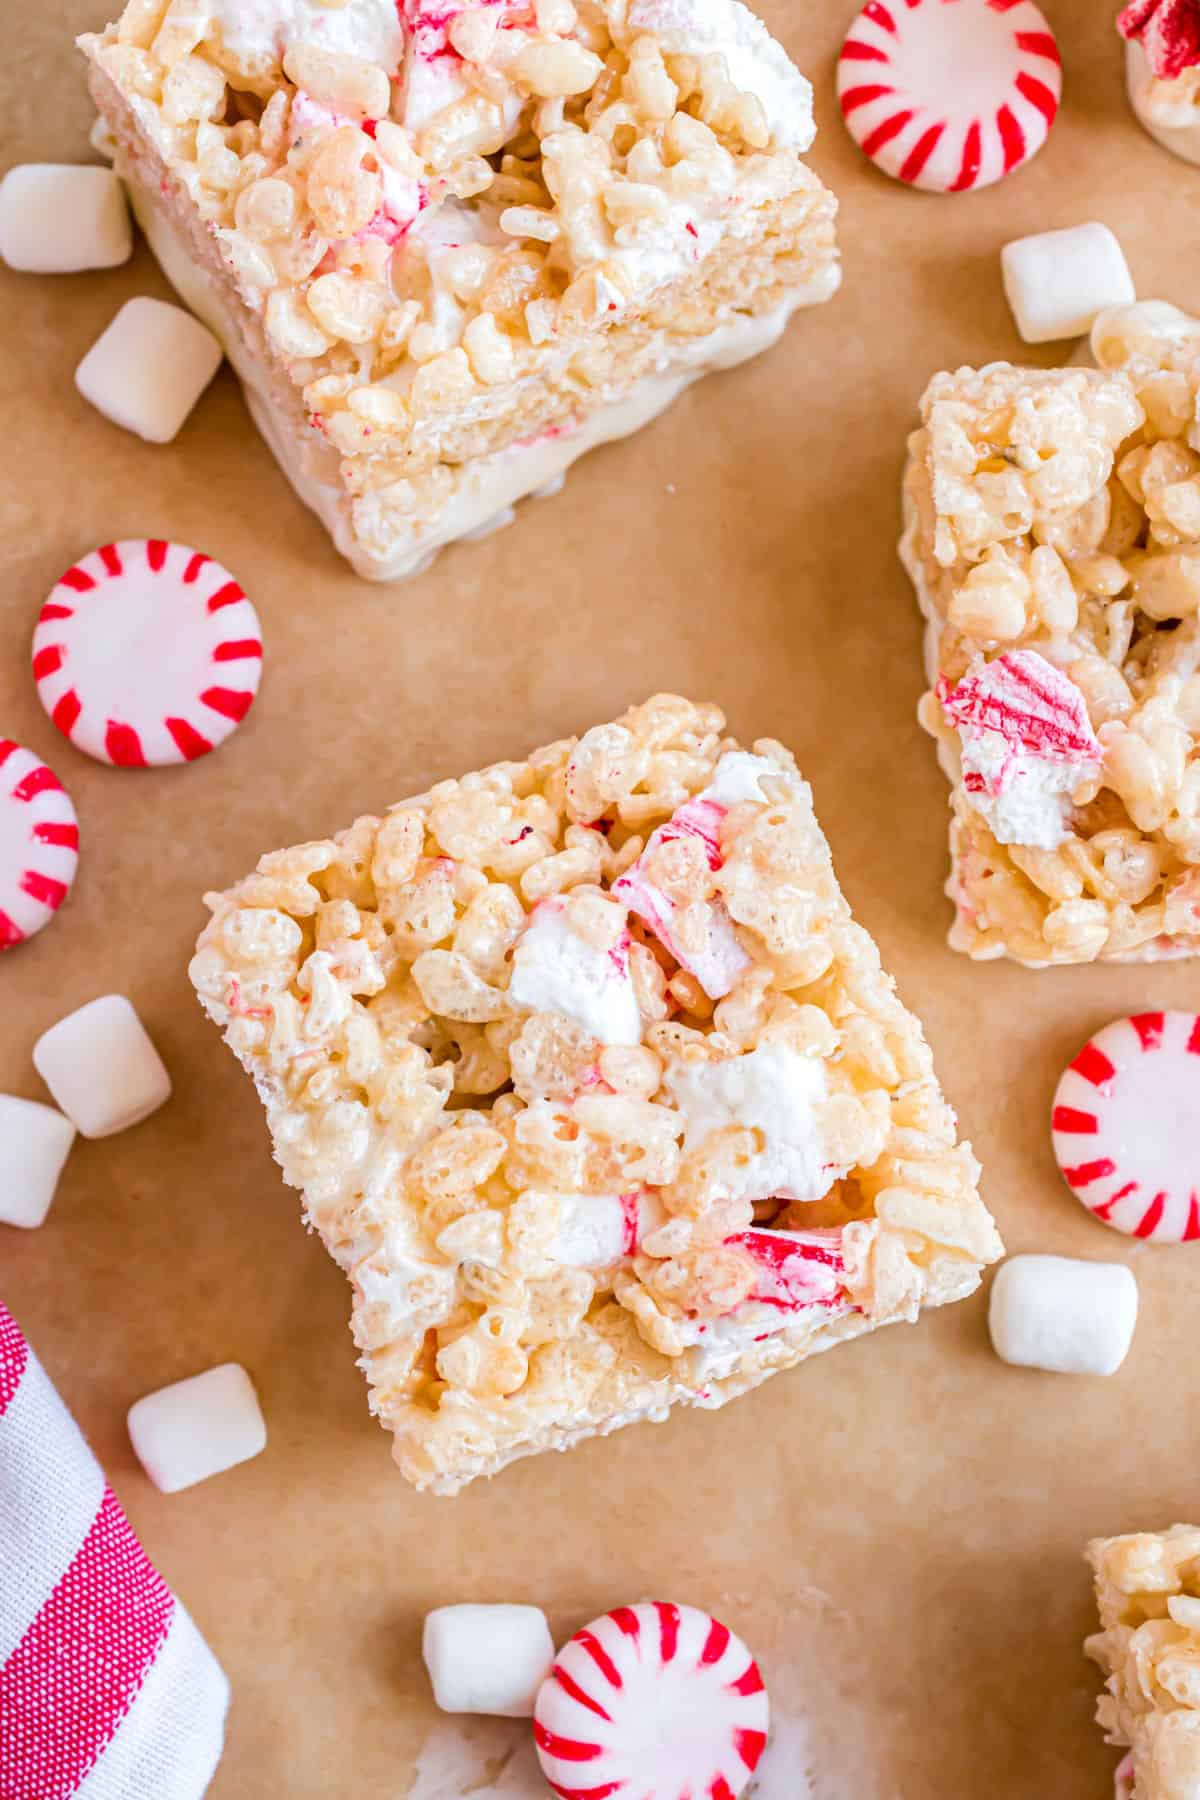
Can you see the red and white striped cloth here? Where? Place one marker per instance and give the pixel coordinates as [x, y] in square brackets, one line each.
[107, 1689]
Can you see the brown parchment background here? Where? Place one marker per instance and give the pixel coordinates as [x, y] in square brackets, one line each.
[896, 1527]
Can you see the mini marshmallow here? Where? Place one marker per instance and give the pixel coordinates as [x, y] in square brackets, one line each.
[184, 1433]
[34, 1144]
[147, 371]
[1057, 282]
[56, 218]
[487, 1659]
[1073, 1318]
[102, 1068]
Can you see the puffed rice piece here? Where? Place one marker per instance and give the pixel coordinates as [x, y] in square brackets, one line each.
[571, 1189]
[1148, 1645]
[446, 259]
[1051, 526]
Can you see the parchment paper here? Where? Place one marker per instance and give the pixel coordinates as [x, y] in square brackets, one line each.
[895, 1527]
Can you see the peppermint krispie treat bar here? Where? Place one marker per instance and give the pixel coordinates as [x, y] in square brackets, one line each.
[1148, 1591]
[1053, 536]
[594, 1088]
[449, 247]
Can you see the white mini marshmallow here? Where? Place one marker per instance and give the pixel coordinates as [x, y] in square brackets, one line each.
[56, 218]
[1058, 281]
[147, 371]
[34, 1144]
[184, 1433]
[102, 1068]
[1052, 1312]
[487, 1659]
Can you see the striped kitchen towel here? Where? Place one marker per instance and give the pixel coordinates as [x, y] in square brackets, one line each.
[107, 1689]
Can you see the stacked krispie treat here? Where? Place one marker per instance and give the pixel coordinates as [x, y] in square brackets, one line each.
[594, 1088]
[1148, 1591]
[1053, 535]
[448, 248]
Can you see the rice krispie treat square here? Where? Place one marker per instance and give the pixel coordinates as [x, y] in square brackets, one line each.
[1148, 1592]
[1053, 536]
[449, 247]
[594, 1088]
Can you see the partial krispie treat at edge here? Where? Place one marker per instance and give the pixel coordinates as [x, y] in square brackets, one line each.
[1053, 535]
[450, 247]
[1148, 1591]
[594, 1088]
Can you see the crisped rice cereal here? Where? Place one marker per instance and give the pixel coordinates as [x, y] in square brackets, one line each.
[1148, 1592]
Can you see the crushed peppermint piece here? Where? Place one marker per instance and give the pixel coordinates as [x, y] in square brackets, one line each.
[1027, 744]
[720, 959]
[1167, 30]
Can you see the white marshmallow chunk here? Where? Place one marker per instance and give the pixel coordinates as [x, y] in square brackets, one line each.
[147, 371]
[102, 1068]
[184, 1433]
[34, 1144]
[1058, 281]
[57, 218]
[775, 1091]
[554, 969]
[487, 1659]
[1073, 1318]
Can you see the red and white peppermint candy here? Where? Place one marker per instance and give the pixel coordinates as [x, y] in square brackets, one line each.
[147, 653]
[1125, 1126]
[39, 844]
[949, 94]
[653, 1702]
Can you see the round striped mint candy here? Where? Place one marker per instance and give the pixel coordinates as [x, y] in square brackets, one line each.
[949, 94]
[39, 844]
[1126, 1126]
[147, 653]
[656, 1700]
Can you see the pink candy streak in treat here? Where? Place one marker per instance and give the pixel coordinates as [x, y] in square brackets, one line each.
[652, 1702]
[427, 24]
[1123, 1778]
[718, 966]
[1125, 1129]
[1168, 31]
[796, 1269]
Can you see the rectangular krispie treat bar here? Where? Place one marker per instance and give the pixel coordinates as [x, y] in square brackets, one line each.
[449, 247]
[594, 1088]
[1053, 536]
[1148, 1591]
